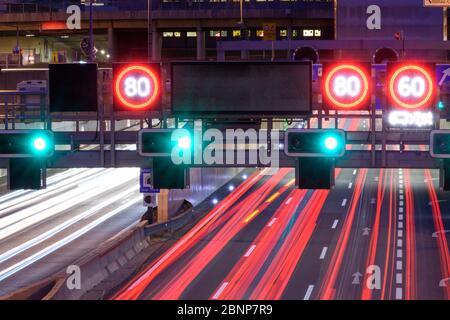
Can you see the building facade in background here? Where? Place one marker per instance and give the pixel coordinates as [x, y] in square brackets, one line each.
[134, 30]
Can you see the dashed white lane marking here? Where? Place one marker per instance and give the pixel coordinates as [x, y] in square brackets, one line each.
[350, 185]
[355, 171]
[249, 251]
[335, 223]
[344, 202]
[308, 292]
[399, 263]
[271, 222]
[220, 290]
[399, 278]
[398, 293]
[323, 253]
[288, 201]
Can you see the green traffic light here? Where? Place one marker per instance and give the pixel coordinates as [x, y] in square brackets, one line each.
[331, 143]
[39, 144]
[184, 142]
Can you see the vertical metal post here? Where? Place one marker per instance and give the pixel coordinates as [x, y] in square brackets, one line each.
[149, 31]
[102, 133]
[373, 132]
[113, 140]
[6, 112]
[91, 33]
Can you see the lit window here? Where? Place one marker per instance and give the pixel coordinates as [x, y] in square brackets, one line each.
[294, 33]
[191, 34]
[167, 34]
[236, 33]
[214, 33]
[317, 33]
[283, 33]
[260, 33]
[308, 33]
[224, 33]
[177, 34]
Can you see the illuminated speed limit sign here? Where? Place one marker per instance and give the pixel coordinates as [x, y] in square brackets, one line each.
[411, 86]
[137, 87]
[347, 86]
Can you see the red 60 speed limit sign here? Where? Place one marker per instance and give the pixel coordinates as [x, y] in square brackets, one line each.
[137, 87]
[411, 86]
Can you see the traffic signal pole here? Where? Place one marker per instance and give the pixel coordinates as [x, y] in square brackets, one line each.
[91, 33]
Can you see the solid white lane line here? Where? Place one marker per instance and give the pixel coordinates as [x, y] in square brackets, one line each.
[249, 251]
[308, 292]
[323, 253]
[219, 291]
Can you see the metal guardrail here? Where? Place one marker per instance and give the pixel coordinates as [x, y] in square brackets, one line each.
[21, 106]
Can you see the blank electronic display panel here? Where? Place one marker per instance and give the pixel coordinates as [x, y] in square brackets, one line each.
[241, 88]
[73, 87]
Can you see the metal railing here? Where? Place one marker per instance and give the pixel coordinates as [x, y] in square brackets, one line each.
[22, 106]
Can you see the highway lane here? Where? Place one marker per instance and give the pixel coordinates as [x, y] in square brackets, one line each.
[379, 234]
[42, 232]
[309, 244]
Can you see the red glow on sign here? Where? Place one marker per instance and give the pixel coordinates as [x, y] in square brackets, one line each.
[53, 25]
[347, 87]
[136, 87]
[411, 87]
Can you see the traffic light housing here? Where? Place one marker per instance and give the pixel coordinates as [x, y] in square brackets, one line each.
[26, 144]
[315, 151]
[25, 174]
[160, 144]
[315, 143]
[440, 144]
